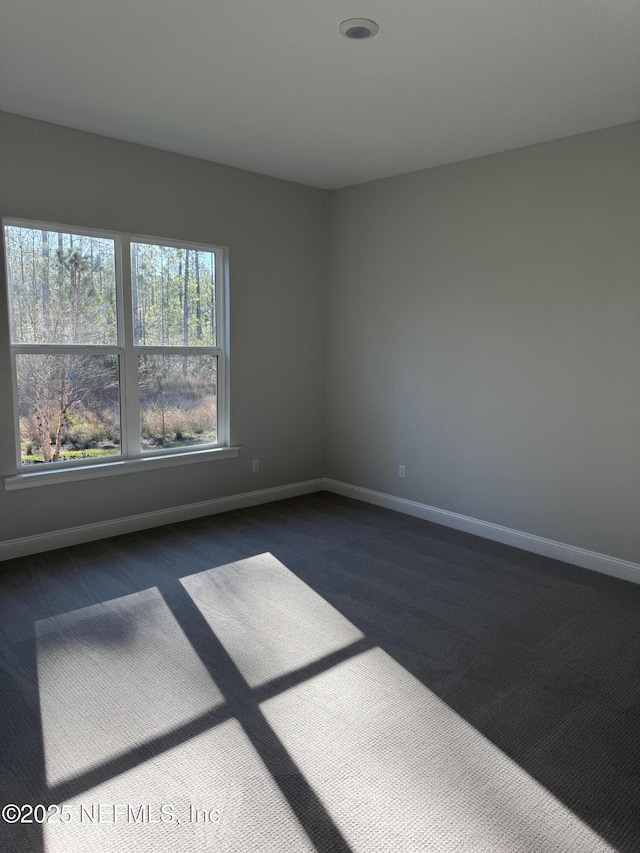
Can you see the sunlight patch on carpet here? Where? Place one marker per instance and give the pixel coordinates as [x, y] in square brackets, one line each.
[112, 677]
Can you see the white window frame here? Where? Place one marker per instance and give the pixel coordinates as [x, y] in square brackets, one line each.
[131, 457]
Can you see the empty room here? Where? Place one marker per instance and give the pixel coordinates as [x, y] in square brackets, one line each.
[319, 427]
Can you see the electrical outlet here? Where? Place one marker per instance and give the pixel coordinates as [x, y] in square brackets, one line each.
[402, 472]
[255, 465]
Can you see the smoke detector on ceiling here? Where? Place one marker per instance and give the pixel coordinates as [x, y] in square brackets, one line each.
[358, 28]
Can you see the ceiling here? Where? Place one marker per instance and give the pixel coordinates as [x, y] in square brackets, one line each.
[271, 85]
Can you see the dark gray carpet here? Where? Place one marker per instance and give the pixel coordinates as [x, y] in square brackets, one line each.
[317, 675]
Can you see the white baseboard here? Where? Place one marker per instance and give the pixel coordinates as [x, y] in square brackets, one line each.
[526, 541]
[115, 527]
[603, 563]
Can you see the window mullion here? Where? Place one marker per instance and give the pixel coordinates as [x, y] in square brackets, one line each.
[16, 408]
[160, 349]
[130, 397]
[64, 349]
[222, 341]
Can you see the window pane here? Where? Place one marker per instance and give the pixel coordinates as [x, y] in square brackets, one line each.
[61, 287]
[69, 407]
[177, 400]
[173, 296]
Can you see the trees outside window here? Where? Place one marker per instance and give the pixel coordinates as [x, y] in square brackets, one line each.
[116, 341]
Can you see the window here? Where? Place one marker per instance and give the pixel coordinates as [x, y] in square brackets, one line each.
[118, 346]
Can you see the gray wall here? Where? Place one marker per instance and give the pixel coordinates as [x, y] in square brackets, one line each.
[276, 233]
[484, 331]
[482, 328]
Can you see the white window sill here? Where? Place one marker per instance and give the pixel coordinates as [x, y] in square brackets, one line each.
[50, 476]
